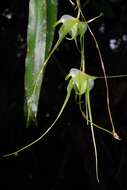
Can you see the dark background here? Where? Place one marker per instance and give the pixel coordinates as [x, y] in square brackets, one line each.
[64, 159]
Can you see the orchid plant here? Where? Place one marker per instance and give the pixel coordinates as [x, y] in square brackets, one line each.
[71, 28]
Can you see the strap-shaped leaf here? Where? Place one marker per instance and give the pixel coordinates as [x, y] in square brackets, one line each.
[51, 20]
[42, 16]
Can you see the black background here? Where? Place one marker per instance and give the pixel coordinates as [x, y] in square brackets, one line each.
[64, 159]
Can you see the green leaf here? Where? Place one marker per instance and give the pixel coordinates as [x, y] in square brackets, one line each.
[51, 19]
[42, 16]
